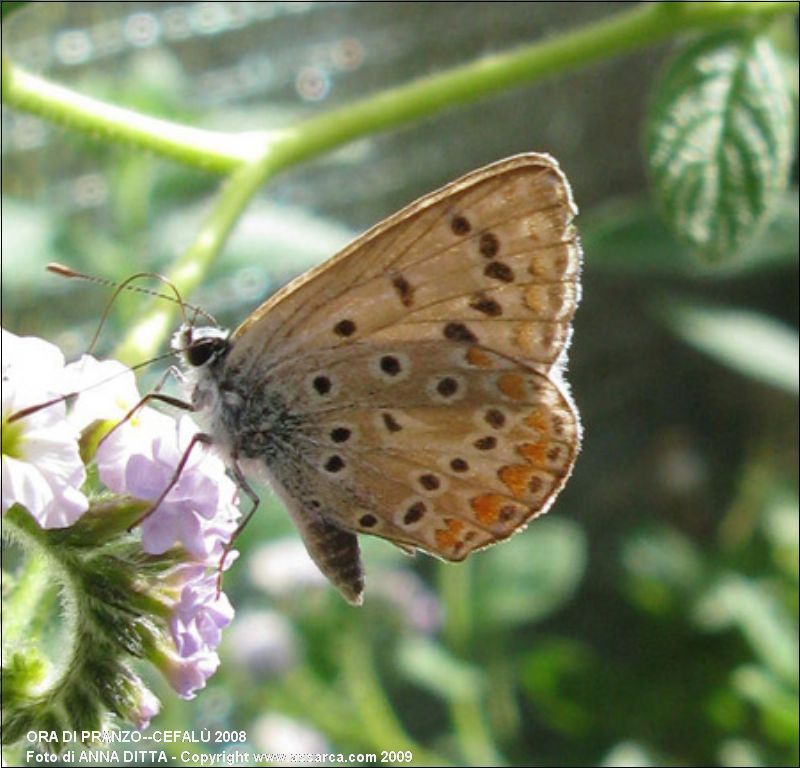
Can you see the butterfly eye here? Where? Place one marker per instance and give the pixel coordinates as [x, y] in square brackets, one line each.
[200, 353]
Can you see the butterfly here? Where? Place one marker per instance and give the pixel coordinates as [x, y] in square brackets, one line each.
[410, 387]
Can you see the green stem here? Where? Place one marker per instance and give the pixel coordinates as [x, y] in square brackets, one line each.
[625, 32]
[222, 152]
[257, 157]
[208, 150]
[145, 338]
[467, 712]
[21, 603]
[374, 711]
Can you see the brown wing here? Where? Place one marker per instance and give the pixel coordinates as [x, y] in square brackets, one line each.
[492, 257]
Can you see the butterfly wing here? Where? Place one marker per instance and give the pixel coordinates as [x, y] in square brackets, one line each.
[493, 255]
[426, 447]
[422, 365]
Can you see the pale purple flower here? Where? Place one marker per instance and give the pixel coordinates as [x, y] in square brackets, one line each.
[198, 511]
[106, 390]
[133, 438]
[188, 675]
[200, 615]
[41, 464]
[147, 708]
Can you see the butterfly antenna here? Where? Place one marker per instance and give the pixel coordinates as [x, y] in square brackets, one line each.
[31, 409]
[127, 285]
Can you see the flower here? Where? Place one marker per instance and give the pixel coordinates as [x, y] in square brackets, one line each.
[148, 707]
[187, 675]
[199, 509]
[106, 390]
[200, 614]
[41, 464]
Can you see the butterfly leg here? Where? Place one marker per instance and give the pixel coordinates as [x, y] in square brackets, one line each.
[244, 486]
[199, 438]
[173, 401]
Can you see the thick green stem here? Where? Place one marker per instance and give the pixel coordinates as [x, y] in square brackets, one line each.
[222, 152]
[261, 155]
[208, 150]
[145, 338]
[368, 696]
[467, 713]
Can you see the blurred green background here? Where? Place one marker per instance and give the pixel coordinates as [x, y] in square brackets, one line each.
[651, 617]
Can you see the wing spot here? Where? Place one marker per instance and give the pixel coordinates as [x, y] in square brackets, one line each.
[487, 306]
[497, 270]
[340, 434]
[478, 357]
[487, 507]
[322, 384]
[516, 478]
[486, 443]
[414, 513]
[495, 418]
[344, 328]
[447, 387]
[489, 245]
[449, 537]
[459, 332]
[368, 521]
[391, 422]
[460, 225]
[512, 385]
[404, 290]
[429, 482]
[390, 365]
[459, 465]
[506, 513]
[334, 464]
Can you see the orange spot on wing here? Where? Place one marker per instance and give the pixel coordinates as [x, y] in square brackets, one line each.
[487, 507]
[513, 385]
[516, 478]
[534, 453]
[479, 358]
[450, 537]
[538, 420]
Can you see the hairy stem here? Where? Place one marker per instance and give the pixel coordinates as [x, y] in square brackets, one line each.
[222, 152]
[252, 158]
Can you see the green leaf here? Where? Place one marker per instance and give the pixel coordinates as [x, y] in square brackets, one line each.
[746, 341]
[777, 703]
[663, 569]
[627, 235]
[551, 674]
[433, 668]
[10, 6]
[533, 575]
[720, 141]
[762, 618]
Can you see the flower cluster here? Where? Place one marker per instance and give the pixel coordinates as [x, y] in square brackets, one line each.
[58, 421]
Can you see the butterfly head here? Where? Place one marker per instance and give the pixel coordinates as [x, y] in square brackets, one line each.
[200, 347]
